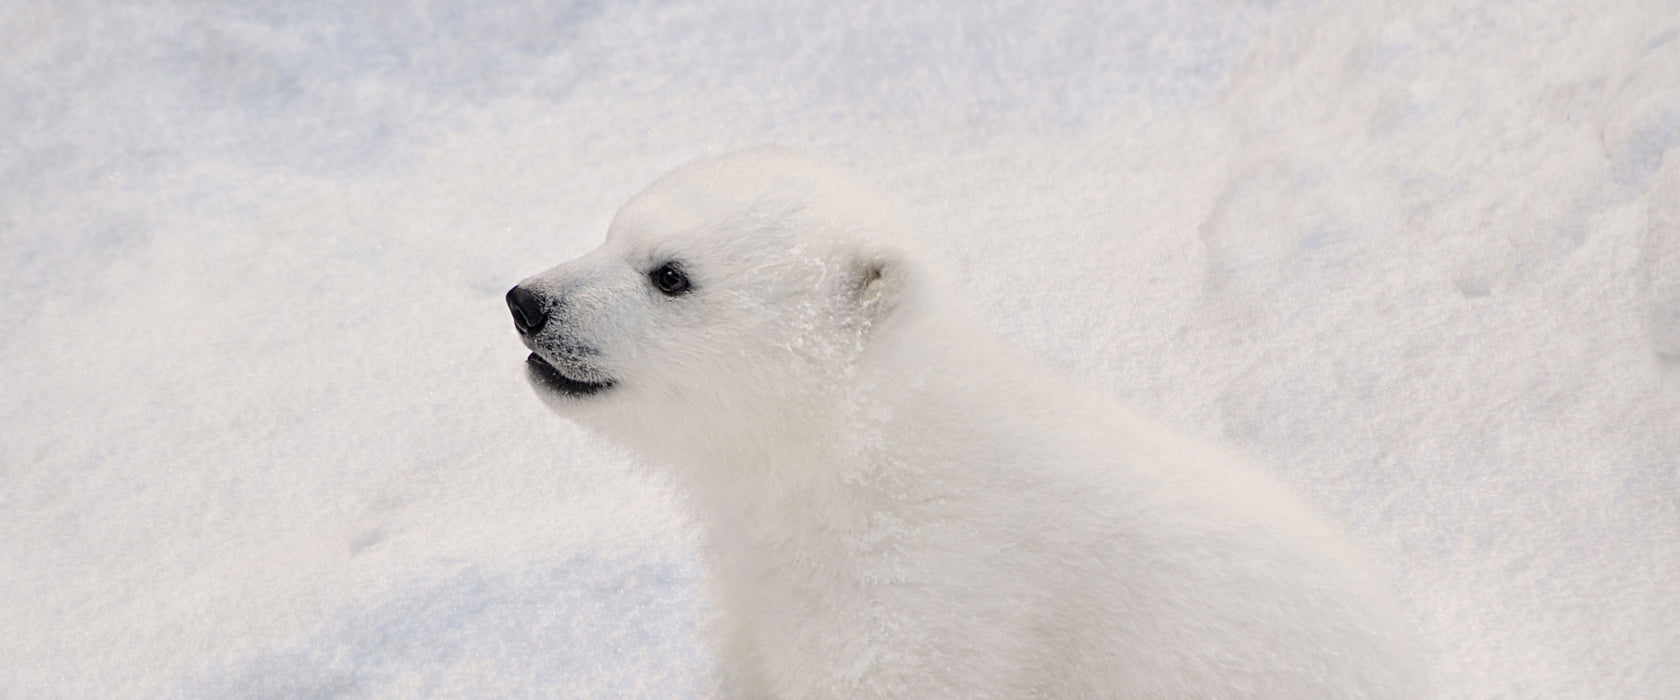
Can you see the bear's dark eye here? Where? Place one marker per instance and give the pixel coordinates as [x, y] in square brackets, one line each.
[669, 279]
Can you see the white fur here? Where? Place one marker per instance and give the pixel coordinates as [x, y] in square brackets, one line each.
[895, 505]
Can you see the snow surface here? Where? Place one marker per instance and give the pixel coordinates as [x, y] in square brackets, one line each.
[263, 427]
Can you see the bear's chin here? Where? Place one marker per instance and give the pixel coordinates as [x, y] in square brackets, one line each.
[546, 378]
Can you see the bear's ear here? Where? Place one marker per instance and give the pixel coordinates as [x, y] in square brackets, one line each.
[878, 284]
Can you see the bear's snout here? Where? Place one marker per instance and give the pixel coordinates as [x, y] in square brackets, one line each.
[529, 313]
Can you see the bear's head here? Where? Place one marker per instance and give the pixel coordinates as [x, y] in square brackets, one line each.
[734, 295]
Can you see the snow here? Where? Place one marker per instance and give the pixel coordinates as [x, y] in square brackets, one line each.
[265, 431]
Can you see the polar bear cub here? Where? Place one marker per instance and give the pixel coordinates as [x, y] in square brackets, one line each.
[894, 505]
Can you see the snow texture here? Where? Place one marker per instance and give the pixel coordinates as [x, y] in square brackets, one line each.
[263, 427]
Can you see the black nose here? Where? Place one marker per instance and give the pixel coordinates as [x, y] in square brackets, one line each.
[528, 313]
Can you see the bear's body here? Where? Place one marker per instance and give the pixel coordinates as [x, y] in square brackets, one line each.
[896, 506]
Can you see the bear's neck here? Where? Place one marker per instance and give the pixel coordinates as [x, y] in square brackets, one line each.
[765, 517]
[923, 425]
[900, 449]
[794, 461]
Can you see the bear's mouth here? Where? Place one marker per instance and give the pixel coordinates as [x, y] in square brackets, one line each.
[541, 372]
